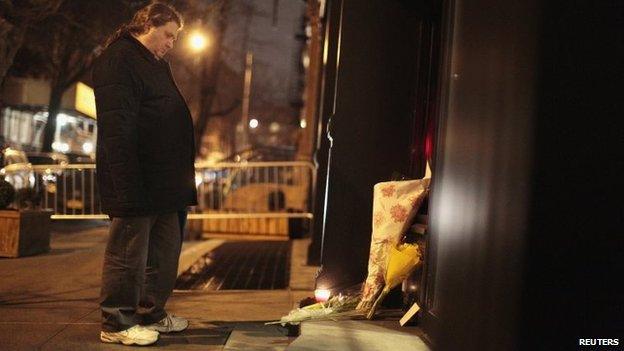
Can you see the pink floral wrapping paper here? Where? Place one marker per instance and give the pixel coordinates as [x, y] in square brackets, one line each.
[394, 206]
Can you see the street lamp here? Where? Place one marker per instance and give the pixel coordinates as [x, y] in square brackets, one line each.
[253, 123]
[198, 41]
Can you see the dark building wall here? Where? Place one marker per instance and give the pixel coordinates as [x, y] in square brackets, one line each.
[331, 23]
[525, 218]
[481, 179]
[574, 242]
[525, 212]
[371, 126]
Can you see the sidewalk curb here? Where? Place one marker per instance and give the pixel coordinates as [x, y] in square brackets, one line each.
[302, 276]
[194, 250]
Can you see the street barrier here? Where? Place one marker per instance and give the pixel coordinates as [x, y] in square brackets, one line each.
[269, 199]
[258, 198]
[69, 190]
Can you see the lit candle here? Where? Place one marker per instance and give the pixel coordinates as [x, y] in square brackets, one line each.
[322, 295]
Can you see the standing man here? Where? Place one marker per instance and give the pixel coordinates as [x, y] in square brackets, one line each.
[145, 175]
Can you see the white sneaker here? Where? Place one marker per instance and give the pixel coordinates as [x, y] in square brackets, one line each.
[169, 324]
[134, 335]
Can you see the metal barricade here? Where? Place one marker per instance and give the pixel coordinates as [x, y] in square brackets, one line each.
[69, 190]
[239, 194]
[254, 190]
[268, 199]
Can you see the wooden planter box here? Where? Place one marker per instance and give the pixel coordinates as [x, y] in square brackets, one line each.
[25, 232]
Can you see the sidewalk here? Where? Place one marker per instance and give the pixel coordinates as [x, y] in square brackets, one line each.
[49, 302]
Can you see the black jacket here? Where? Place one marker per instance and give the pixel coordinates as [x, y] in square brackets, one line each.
[145, 146]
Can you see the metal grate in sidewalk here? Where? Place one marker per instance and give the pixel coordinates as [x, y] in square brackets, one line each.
[240, 265]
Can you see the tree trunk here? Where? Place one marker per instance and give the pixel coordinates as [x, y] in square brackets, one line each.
[11, 38]
[209, 77]
[54, 107]
[207, 95]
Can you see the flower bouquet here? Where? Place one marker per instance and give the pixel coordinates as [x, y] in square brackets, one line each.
[337, 307]
[395, 204]
[402, 261]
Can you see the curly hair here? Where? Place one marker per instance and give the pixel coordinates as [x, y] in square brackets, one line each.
[155, 14]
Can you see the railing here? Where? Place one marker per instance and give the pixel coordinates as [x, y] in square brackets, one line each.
[69, 190]
[245, 190]
[254, 190]
[271, 199]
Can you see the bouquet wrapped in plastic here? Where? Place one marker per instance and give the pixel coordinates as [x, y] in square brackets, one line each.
[394, 206]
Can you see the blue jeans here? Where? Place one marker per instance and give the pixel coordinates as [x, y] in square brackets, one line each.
[140, 269]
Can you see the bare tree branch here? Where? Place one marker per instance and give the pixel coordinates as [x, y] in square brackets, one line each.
[15, 19]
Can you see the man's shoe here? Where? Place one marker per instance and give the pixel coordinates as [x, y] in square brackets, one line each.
[169, 324]
[136, 335]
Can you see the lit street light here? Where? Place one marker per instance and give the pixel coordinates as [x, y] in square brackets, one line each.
[253, 123]
[198, 41]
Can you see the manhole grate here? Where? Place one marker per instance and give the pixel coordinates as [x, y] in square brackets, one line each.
[240, 265]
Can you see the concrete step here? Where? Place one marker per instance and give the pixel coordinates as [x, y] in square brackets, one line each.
[357, 335]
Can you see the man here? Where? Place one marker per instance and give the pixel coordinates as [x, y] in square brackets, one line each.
[145, 175]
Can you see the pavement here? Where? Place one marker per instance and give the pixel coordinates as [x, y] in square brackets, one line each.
[50, 302]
